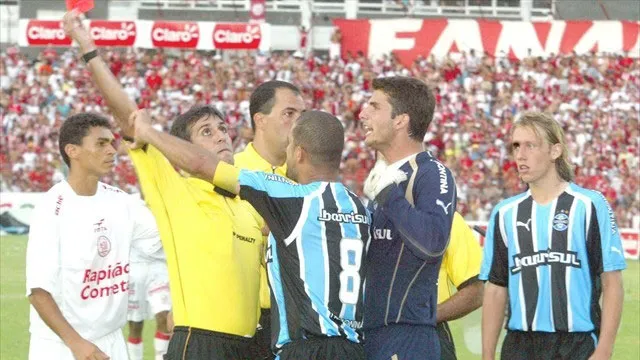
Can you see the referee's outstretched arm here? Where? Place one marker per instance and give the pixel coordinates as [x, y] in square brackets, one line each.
[120, 104]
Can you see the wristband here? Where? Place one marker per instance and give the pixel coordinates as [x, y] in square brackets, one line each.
[90, 55]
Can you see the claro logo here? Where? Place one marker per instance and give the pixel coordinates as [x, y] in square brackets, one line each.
[43, 32]
[175, 34]
[113, 33]
[236, 36]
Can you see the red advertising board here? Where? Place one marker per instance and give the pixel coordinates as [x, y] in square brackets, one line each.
[410, 38]
[175, 34]
[236, 36]
[113, 33]
[46, 32]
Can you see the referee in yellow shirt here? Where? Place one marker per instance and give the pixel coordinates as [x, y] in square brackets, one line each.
[212, 239]
[274, 106]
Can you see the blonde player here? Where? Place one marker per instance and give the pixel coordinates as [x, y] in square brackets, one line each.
[78, 251]
[149, 298]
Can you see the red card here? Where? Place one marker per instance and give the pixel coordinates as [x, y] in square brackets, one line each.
[81, 5]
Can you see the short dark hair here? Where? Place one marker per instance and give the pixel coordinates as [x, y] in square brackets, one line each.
[322, 136]
[264, 97]
[75, 128]
[182, 124]
[412, 97]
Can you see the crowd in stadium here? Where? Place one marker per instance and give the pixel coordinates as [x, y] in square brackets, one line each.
[595, 98]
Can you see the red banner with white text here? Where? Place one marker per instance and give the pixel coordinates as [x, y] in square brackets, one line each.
[152, 34]
[411, 38]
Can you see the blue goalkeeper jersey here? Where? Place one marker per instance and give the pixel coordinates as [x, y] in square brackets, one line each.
[315, 255]
[409, 239]
[550, 257]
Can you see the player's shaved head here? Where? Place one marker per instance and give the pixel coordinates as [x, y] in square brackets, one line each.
[321, 135]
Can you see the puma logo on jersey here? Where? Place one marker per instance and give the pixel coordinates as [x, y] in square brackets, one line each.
[443, 206]
[615, 249]
[526, 225]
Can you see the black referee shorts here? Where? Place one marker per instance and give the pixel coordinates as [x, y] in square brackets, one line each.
[322, 348]
[521, 345]
[447, 347]
[260, 347]
[188, 343]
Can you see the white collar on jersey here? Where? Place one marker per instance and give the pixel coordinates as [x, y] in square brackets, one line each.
[396, 165]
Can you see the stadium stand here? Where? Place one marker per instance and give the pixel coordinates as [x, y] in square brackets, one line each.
[596, 98]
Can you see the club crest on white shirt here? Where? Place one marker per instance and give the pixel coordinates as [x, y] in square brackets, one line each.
[104, 246]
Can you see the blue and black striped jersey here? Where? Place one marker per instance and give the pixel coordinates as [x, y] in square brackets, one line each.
[550, 257]
[315, 255]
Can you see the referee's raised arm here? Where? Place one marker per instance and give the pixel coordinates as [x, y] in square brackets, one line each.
[110, 88]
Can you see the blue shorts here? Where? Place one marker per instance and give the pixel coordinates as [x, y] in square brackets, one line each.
[402, 342]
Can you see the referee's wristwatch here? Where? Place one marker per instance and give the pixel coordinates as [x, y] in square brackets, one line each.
[89, 55]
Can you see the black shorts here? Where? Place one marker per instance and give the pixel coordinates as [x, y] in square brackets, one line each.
[447, 347]
[521, 345]
[261, 342]
[322, 348]
[188, 343]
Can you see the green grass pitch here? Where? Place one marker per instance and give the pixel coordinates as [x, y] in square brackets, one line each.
[14, 309]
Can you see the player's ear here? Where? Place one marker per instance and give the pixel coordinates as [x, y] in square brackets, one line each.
[556, 151]
[401, 121]
[300, 153]
[259, 119]
[72, 150]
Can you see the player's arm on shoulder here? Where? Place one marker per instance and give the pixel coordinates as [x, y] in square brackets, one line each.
[277, 199]
[462, 264]
[425, 228]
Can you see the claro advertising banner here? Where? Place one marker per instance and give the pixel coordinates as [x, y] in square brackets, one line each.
[152, 34]
[410, 38]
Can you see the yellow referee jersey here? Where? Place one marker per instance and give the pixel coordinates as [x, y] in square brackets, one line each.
[213, 245]
[249, 159]
[461, 260]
